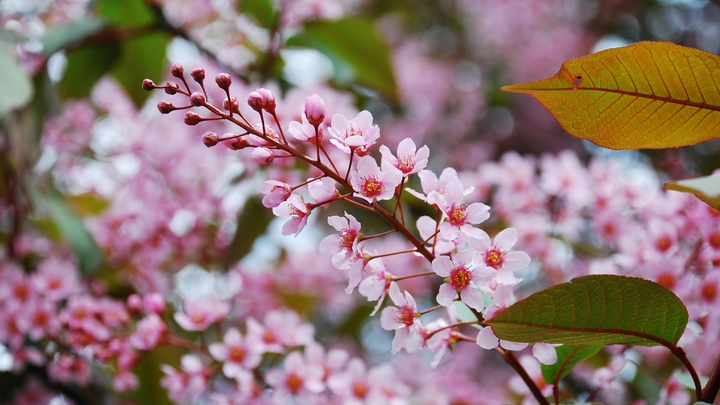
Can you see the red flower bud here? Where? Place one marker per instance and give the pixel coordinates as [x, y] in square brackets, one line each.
[148, 84]
[255, 101]
[236, 143]
[177, 70]
[262, 155]
[223, 81]
[231, 105]
[192, 118]
[197, 99]
[315, 110]
[171, 88]
[210, 139]
[268, 100]
[165, 107]
[198, 74]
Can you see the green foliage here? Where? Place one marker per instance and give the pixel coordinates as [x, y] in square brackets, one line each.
[149, 375]
[358, 52]
[596, 310]
[568, 357]
[262, 10]
[58, 38]
[16, 89]
[705, 188]
[126, 13]
[140, 58]
[85, 66]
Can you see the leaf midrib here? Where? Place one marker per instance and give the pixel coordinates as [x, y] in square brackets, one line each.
[588, 331]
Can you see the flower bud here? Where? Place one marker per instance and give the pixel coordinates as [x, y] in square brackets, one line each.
[148, 84]
[171, 88]
[134, 303]
[268, 100]
[236, 143]
[198, 74]
[154, 302]
[231, 105]
[223, 81]
[177, 70]
[210, 139]
[197, 99]
[165, 107]
[315, 110]
[192, 118]
[262, 155]
[255, 101]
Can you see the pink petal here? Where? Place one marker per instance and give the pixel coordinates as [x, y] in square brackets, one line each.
[545, 353]
[506, 239]
[487, 339]
[442, 266]
[473, 298]
[446, 295]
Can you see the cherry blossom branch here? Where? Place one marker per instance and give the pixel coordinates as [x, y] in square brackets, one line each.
[427, 273]
[510, 359]
[709, 393]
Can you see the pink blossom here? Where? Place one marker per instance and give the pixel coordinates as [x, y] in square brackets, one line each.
[280, 329]
[56, 279]
[323, 190]
[459, 277]
[262, 156]
[343, 245]
[371, 183]
[375, 283]
[315, 110]
[305, 131]
[275, 193]
[487, 340]
[297, 379]
[430, 183]
[198, 314]
[358, 385]
[459, 216]
[42, 319]
[496, 254]
[442, 243]
[187, 385]
[402, 319]
[125, 381]
[356, 135]
[154, 303]
[69, 369]
[297, 210]
[408, 160]
[235, 354]
[150, 331]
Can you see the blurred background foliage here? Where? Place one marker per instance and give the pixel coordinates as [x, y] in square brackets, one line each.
[428, 68]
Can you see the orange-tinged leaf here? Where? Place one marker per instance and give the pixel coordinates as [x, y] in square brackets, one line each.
[646, 95]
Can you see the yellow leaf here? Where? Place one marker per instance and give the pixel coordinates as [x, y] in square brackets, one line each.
[646, 95]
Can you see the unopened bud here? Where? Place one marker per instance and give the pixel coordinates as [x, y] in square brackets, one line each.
[262, 155]
[154, 302]
[165, 107]
[192, 118]
[148, 84]
[197, 99]
[177, 70]
[268, 100]
[171, 88]
[235, 143]
[223, 81]
[198, 74]
[255, 101]
[134, 303]
[231, 105]
[315, 110]
[210, 139]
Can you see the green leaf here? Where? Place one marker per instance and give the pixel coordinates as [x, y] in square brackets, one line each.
[74, 233]
[56, 39]
[16, 89]
[141, 57]
[252, 222]
[85, 66]
[568, 357]
[149, 374]
[596, 310]
[353, 45]
[705, 188]
[645, 95]
[262, 10]
[126, 13]
[87, 204]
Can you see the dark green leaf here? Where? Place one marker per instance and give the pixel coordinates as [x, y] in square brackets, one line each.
[56, 39]
[262, 10]
[141, 58]
[72, 231]
[598, 310]
[568, 357]
[149, 374]
[126, 13]
[355, 46]
[16, 89]
[85, 66]
[705, 188]
[253, 222]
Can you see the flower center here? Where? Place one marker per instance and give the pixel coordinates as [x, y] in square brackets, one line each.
[405, 316]
[457, 215]
[494, 258]
[371, 186]
[460, 278]
[666, 280]
[236, 354]
[709, 291]
[406, 164]
[269, 337]
[293, 383]
[360, 389]
[714, 240]
[664, 243]
[347, 238]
